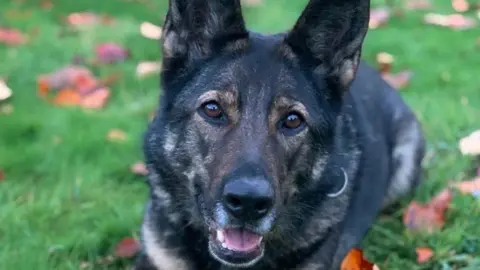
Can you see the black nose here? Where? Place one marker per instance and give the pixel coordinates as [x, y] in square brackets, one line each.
[248, 199]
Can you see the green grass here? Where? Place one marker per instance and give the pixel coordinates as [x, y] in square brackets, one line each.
[69, 202]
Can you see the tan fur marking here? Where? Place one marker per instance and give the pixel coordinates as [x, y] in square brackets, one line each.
[161, 257]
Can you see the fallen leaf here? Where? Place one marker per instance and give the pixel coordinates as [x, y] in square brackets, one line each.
[251, 3]
[67, 97]
[423, 254]
[6, 109]
[471, 187]
[5, 91]
[147, 68]
[384, 62]
[46, 4]
[150, 30]
[110, 52]
[418, 4]
[116, 135]
[378, 17]
[460, 5]
[2, 175]
[12, 37]
[427, 217]
[453, 21]
[355, 261]
[139, 168]
[127, 248]
[96, 99]
[87, 19]
[398, 80]
[470, 145]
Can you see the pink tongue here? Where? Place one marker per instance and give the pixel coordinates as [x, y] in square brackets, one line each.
[241, 240]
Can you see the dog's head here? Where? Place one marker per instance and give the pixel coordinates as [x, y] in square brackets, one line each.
[248, 121]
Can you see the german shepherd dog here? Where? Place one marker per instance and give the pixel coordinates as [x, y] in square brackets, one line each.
[271, 151]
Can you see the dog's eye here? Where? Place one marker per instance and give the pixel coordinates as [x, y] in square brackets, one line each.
[212, 110]
[294, 122]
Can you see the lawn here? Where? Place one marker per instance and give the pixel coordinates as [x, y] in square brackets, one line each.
[68, 195]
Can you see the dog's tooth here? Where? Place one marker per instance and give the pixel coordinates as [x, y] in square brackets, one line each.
[224, 245]
[220, 236]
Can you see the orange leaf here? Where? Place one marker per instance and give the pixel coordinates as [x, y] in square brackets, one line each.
[355, 261]
[428, 217]
[96, 99]
[398, 80]
[67, 97]
[127, 248]
[42, 85]
[469, 187]
[116, 135]
[423, 254]
[139, 168]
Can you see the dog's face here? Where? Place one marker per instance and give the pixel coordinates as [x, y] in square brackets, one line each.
[248, 121]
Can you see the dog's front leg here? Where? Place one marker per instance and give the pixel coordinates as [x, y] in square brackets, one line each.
[162, 245]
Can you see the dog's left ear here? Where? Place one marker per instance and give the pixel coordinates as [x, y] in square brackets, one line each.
[329, 36]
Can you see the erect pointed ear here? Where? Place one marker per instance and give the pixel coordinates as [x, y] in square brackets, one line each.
[196, 29]
[329, 36]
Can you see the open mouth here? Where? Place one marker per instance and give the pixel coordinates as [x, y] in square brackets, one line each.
[236, 246]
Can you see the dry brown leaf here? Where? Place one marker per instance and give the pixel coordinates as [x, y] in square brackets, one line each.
[97, 99]
[127, 248]
[150, 30]
[460, 5]
[116, 135]
[423, 254]
[356, 261]
[146, 68]
[378, 17]
[139, 168]
[471, 187]
[67, 97]
[398, 80]
[453, 21]
[428, 217]
[384, 62]
[470, 145]
[418, 4]
[12, 37]
[5, 91]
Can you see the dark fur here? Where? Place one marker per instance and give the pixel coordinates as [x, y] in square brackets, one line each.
[355, 122]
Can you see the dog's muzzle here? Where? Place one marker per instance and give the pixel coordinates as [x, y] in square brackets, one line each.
[243, 217]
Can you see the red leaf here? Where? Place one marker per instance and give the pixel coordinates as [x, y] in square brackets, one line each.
[12, 37]
[428, 217]
[111, 53]
[355, 261]
[378, 17]
[453, 21]
[398, 80]
[2, 175]
[423, 254]
[127, 248]
[139, 168]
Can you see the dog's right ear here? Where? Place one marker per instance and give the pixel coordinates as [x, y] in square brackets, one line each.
[194, 30]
